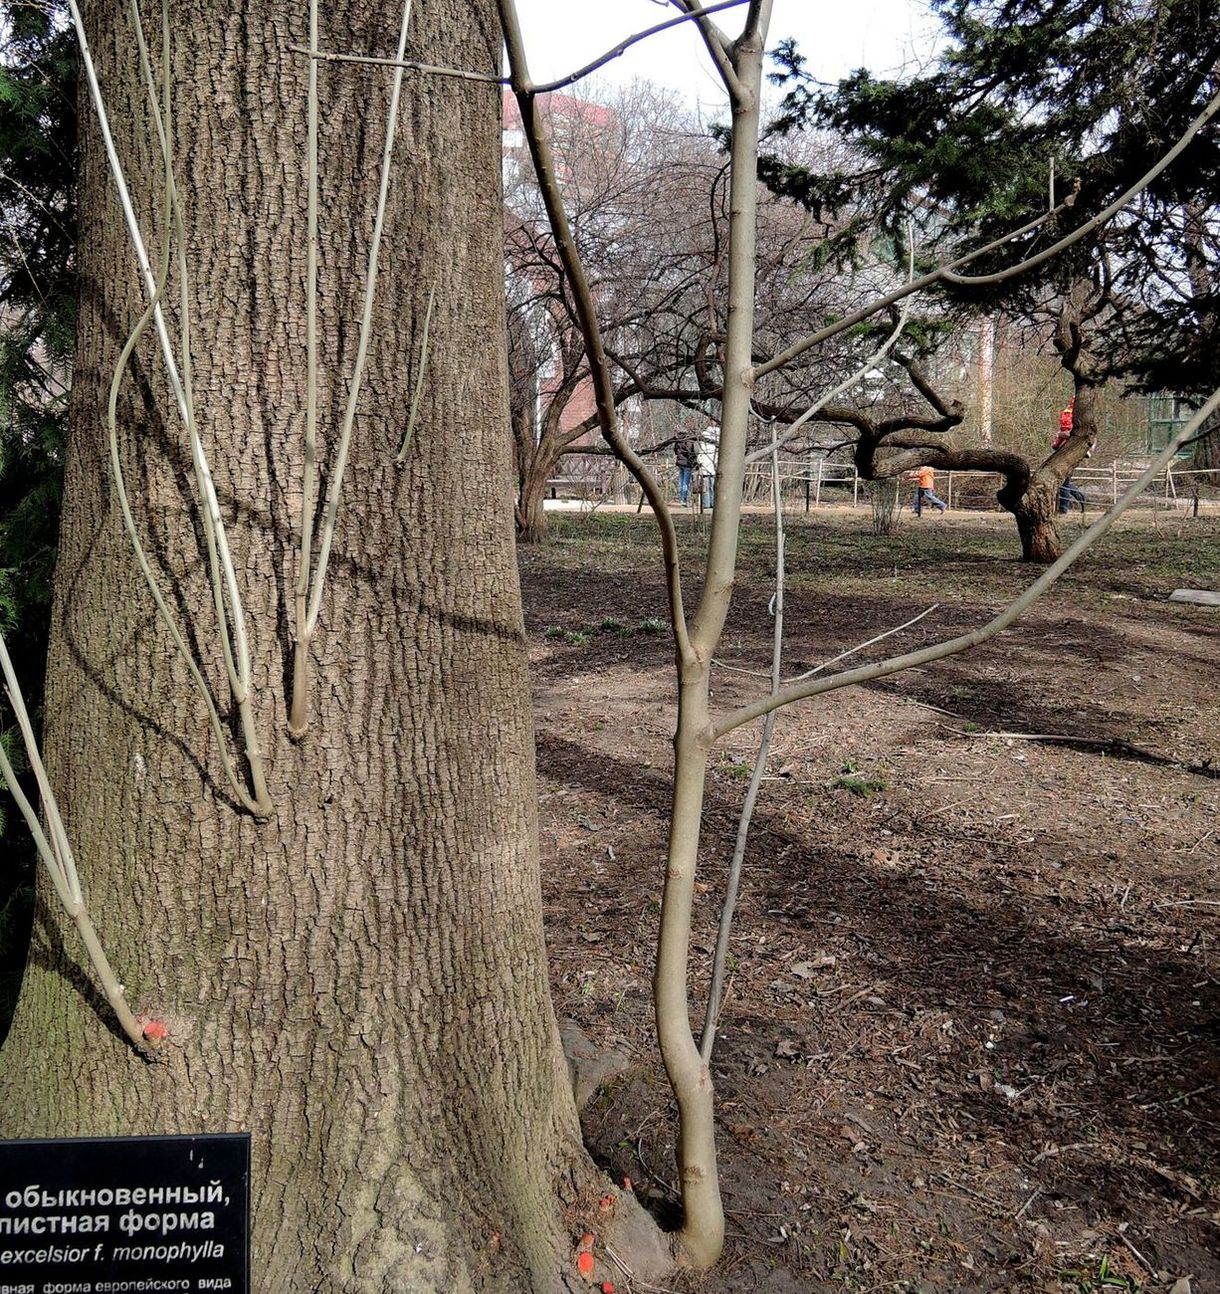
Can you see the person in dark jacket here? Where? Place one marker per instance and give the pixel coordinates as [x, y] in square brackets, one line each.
[685, 459]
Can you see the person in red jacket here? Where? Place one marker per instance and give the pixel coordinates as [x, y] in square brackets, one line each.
[1068, 493]
[1066, 419]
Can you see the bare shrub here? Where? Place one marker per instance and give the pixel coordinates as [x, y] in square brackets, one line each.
[883, 497]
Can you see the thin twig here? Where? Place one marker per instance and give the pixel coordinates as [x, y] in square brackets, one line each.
[717, 45]
[1033, 736]
[623, 45]
[1053, 1152]
[1020, 1213]
[236, 652]
[1148, 1267]
[419, 378]
[851, 651]
[715, 991]
[299, 711]
[636, 1282]
[407, 65]
[141, 555]
[1181, 1096]
[930, 279]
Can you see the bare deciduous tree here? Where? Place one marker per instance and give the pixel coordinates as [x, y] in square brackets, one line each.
[698, 726]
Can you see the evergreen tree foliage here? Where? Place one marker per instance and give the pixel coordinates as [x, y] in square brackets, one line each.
[37, 315]
[1089, 92]
[37, 324]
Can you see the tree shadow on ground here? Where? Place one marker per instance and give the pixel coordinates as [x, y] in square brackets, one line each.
[1101, 1015]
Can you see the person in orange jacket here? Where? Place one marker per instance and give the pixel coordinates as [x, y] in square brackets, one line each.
[925, 479]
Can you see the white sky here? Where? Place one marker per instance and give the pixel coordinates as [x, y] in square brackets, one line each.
[835, 35]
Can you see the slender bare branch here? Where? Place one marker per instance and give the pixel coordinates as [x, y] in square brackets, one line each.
[586, 317]
[622, 46]
[409, 65]
[980, 280]
[231, 619]
[329, 56]
[717, 45]
[56, 854]
[789, 353]
[299, 711]
[297, 716]
[222, 572]
[859, 647]
[254, 805]
[715, 994]
[409, 434]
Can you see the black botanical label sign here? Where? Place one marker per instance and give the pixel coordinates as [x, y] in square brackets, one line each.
[125, 1215]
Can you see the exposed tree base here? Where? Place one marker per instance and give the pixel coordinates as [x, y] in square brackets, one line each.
[1034, 512]
[532, 528]
[531, 511]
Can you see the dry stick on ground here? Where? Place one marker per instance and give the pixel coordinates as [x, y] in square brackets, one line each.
[311, 580]
[222, 573]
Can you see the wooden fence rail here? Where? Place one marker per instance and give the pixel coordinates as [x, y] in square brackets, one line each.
[806, 486]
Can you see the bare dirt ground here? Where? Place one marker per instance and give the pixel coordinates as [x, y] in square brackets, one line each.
[972, 1035]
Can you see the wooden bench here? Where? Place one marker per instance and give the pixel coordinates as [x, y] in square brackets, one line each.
[579, 487]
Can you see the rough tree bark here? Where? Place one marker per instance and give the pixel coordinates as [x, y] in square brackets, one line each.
[360, 980]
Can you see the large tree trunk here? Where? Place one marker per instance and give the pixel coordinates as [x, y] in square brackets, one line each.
[1034, 513]
[359, 981]
[531, 498]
